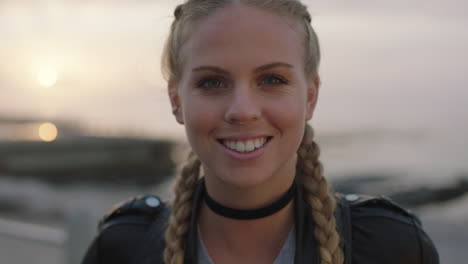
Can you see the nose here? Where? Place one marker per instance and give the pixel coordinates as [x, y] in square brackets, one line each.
[243, 106]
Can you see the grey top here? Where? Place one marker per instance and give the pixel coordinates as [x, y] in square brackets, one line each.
[285, 256]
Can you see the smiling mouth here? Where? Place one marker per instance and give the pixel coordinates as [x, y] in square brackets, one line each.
[245, 146]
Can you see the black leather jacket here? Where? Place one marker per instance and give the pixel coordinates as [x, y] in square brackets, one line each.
[373, 230]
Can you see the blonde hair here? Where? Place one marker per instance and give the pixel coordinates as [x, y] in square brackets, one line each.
[181, 210]
[317, 193]
[320, 199]
[192, 11]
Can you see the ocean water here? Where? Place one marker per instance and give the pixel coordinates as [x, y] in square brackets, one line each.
[426, 157]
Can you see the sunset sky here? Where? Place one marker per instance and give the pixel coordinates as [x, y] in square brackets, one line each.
[389, 65]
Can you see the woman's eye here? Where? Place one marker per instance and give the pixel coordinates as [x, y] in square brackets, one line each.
[210, 83]
[272, 79]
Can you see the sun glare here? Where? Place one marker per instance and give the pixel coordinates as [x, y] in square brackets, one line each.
[48, 132]
[47, 76]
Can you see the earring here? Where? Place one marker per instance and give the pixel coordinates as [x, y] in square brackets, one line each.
[175, 109]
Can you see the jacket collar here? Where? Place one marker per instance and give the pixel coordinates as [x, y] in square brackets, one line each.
[304, 225]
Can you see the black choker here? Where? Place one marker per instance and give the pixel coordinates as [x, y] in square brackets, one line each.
[253, 213]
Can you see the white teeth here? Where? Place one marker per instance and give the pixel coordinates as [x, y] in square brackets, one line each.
[257, 143]
[240, 146]
[245, 146]
[249, 146]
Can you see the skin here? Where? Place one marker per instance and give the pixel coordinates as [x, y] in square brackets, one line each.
[243, 77]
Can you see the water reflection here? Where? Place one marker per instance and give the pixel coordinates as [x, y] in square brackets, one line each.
[48, 132]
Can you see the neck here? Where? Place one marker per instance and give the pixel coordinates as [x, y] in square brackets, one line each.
[249, 197]
[240, 214]
[253, 239]
[233, 242]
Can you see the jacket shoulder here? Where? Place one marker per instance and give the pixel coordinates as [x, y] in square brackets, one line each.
[124, 232]
[363, 206]
[138, 210]
[384, 232]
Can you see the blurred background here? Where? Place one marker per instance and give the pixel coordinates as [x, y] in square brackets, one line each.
[85, 121]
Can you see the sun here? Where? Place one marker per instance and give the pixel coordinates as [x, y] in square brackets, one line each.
[47, 76]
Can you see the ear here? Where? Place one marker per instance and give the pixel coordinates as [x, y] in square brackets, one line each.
[312, 95]
[175, 102]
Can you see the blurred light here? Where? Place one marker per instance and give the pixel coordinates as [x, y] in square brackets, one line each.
[47, 76]
[48, 132]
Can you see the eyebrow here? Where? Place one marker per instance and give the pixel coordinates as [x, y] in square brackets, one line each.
[273, 65]
[211, 68]
[258, 69]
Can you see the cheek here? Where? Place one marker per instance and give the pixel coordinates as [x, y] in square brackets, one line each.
[290, 111]
[200, 117]
[290, 119]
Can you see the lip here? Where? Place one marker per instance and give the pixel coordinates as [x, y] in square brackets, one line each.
[244, 156]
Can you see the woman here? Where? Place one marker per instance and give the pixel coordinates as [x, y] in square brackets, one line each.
[243, 80]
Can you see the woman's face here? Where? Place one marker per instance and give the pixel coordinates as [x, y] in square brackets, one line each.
[244, 97]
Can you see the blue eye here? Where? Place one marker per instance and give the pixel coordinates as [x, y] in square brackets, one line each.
[210, 83]
[272, 79]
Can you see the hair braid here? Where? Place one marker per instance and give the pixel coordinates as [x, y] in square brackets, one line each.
[321, 201]
[181, 210]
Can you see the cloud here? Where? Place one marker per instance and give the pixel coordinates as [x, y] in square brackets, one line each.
[448, 9]
[432, 8]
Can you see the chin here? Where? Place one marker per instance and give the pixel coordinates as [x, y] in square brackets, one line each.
[245, 177]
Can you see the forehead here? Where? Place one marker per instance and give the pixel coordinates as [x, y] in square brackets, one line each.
[241, 34]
